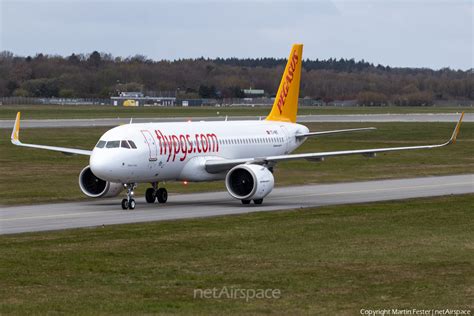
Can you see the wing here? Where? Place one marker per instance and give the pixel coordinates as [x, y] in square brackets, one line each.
[216, 166]
[15, 138]
[334, 132]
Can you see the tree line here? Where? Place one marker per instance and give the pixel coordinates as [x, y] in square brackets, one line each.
[101, 75]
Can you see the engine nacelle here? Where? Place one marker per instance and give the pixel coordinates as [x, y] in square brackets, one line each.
[249, 182]
[94, 187]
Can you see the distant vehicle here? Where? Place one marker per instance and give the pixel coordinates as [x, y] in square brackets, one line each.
[130, 103]
[243, 153]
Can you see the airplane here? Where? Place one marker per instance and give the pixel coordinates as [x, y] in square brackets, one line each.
[242, 153]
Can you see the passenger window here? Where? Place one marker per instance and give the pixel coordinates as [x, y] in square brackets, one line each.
[132, 144]
[113, 144]
[124, 144]
[100, 144]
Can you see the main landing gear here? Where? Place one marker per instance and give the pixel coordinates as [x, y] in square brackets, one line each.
[155, 193]
[129, 202]
[258, 201]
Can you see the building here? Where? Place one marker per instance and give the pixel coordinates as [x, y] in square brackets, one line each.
[253, 93]
[139, 99]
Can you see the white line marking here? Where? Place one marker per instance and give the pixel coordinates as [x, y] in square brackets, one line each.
[273, 198]
[377, 190]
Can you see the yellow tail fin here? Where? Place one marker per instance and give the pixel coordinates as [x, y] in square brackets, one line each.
[285, 106]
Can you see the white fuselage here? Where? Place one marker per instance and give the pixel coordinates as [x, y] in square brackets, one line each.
[178, 151]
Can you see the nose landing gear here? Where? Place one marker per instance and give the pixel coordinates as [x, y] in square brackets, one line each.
[153, 194]
[129, 202]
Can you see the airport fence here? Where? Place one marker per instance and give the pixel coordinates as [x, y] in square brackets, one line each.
[53, 101]
[226, 102]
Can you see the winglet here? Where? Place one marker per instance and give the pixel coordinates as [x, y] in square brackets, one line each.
[15, 138]
[456, 130]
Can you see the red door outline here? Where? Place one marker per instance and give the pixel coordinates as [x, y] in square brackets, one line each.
[151, 145]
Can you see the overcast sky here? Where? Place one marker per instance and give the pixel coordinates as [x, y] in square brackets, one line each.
[415, 33]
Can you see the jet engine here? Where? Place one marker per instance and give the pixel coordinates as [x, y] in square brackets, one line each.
[94, 187]
[249, 182]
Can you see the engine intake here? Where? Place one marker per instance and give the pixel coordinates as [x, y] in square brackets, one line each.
[94, 187]
[249, 182]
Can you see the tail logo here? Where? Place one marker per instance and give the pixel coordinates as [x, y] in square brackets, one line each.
[287, 82]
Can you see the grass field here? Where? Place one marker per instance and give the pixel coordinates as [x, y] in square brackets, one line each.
[70, 112]
[32, 176]
[328, 261]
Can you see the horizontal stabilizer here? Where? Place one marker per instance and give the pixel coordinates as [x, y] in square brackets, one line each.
[335, 132]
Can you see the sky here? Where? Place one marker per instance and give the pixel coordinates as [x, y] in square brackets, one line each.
[401, 33]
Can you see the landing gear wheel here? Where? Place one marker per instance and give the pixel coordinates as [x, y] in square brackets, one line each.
[150, 195]
[162, 195]
[258, 202]
[245, 202]
[124, 204]
[129, 202]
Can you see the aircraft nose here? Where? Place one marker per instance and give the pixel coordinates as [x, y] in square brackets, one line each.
[100, 165]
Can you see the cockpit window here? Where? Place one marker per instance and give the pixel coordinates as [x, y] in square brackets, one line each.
[132, 144]
[124, 144]
[100, 144]
[113, 144]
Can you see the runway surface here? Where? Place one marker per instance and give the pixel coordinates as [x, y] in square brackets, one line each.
[428, 117]
[18, 219]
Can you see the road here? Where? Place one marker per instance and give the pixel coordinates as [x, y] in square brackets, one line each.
[428, 117]
[18, 219]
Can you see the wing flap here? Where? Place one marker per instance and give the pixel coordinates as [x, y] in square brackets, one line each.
[221, 165]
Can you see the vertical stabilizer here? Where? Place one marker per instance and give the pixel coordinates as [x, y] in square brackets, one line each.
[285, 106]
